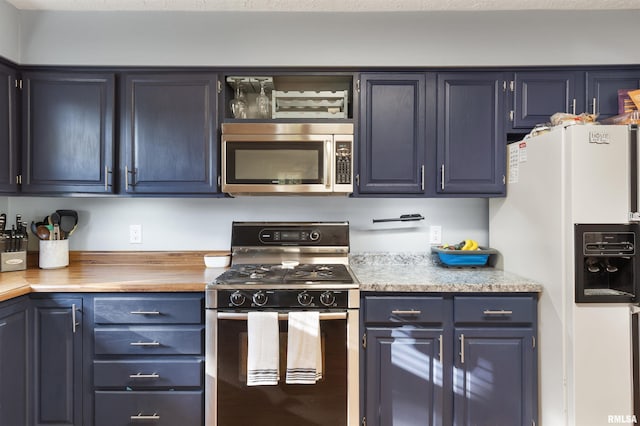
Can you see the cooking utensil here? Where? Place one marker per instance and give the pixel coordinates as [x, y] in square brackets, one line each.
[43, 232]
[68, 222]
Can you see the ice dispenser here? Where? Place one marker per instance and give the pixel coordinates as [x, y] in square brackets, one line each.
[605, 263]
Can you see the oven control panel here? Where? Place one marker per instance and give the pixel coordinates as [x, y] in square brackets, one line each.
[276, 299]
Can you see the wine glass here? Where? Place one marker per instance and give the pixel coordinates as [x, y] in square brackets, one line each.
[238, 104]
[262, 101]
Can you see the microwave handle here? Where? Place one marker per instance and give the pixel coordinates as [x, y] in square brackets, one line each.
[328, 164]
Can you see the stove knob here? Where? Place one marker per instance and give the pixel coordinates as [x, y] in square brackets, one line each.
[260, 298]
[237, 298]
[305, 298]
[327, 298]
[314, 235]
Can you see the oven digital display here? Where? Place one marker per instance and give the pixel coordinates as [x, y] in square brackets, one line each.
[289, 236]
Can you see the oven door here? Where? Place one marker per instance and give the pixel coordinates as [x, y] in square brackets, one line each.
[332, 401]
[277, 163]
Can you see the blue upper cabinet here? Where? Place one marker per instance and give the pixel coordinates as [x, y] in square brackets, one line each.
[392, 148]
[169, 133]
[8, 131]
[67, 139]
[537, 95]
[602, 90]
[470, 133]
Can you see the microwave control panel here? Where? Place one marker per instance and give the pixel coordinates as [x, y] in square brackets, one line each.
[343, 162]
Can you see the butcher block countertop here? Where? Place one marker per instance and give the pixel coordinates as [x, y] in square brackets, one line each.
[113, 272]
[185, 272]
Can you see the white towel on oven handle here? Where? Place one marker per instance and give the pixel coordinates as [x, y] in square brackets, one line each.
[304, 348]
[263, 349]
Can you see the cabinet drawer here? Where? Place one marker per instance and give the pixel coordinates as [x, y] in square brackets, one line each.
[146, 374]
[158, 408]
[400, 309]
[148, 310]
[494, 310]
[167, 340]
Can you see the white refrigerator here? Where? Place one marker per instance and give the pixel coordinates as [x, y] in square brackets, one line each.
[570, 175]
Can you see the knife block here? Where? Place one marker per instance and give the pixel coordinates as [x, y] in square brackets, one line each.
[13, 261]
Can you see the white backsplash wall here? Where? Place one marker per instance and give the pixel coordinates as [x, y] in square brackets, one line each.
[9, 32]
[205, 224]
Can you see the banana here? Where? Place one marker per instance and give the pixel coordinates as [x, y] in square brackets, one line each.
[469, 245]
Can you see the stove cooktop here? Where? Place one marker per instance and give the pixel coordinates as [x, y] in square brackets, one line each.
[247, 274]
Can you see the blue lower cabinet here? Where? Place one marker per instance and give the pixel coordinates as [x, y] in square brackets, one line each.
[13, 362]
[148, 364]
[404, 371]
[494, 382]
[139, 374]
[159, 408]
[56, 378]
[461, 360]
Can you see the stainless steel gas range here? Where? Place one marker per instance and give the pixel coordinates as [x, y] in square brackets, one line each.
[284, 267]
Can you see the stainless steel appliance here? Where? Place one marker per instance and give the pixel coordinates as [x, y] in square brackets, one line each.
[285, 158]
[283, 267]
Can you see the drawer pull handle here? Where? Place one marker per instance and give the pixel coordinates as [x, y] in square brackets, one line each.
[409, 312]
[144, 376]
[141, 416]
[145, 343]
[497, 312]
[145, 313]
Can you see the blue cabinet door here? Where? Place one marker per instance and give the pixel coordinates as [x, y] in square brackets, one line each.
[392, 133]
[404, 377]
[602, 90]
[14, 347]
[540, 94]
[56, 379]
[494, 377]
[67, 132]
[8, 131]
[471, 151]
[169, 134]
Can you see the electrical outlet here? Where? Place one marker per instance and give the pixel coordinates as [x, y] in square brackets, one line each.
[135, 234]
[435, 234]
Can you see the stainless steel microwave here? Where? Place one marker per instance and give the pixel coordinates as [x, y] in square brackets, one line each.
[287, 158]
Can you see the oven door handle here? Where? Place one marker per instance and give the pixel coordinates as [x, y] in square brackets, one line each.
[242, 316]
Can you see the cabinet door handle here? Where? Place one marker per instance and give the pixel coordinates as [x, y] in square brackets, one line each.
[154, 343]
[327, 160]
[128, 172]
[440, 352]
[74, 323]
[144, 376]
[141, 416]
[107, 172]
[406, 312]
[422, 177]
[145, 312]
[442, 177]
[594, 105]
[3, 324]
[573, 106]
[496, 312]
[462, 349]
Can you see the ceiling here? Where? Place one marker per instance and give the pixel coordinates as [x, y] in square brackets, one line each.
[322, 5]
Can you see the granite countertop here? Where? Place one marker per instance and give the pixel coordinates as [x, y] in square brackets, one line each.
[172, 273]
[421, 273]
